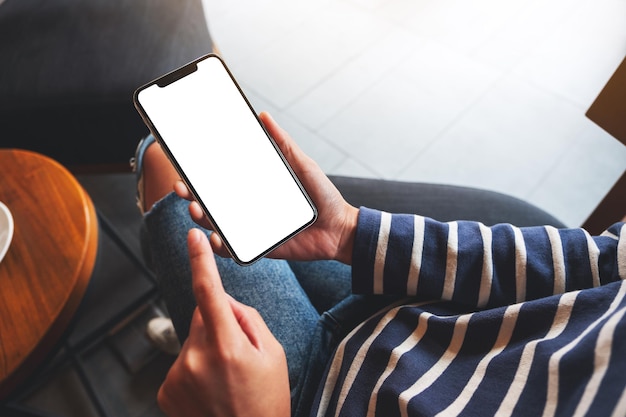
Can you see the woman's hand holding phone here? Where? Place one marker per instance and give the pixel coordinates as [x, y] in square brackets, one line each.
[330, 237]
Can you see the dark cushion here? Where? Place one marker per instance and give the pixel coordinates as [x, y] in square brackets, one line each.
[69, 69]
[442, 202]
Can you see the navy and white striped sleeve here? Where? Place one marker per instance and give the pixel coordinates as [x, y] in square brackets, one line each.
[477, 265]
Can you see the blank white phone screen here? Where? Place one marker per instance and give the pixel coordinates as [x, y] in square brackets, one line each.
[228, 159]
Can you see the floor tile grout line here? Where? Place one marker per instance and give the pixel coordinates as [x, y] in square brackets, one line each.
[452, 123]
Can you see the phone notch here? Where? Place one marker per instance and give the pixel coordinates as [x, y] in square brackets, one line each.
[177, 75]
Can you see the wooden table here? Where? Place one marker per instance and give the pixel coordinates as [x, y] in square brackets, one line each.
[607, 111]
[46, 270]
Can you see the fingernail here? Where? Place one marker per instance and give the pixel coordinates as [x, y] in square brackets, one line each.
[195, 235]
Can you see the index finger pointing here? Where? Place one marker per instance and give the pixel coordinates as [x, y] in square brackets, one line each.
[213, 302]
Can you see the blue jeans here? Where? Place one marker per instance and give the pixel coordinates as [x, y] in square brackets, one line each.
[308, 306]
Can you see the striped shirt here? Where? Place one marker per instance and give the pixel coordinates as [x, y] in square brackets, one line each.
[524, 322]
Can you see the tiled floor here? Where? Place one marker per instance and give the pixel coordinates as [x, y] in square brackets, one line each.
[484, 93]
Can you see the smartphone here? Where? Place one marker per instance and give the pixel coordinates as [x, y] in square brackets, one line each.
[220, 148]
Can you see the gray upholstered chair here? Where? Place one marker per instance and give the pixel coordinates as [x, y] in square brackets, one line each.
[68, 69]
